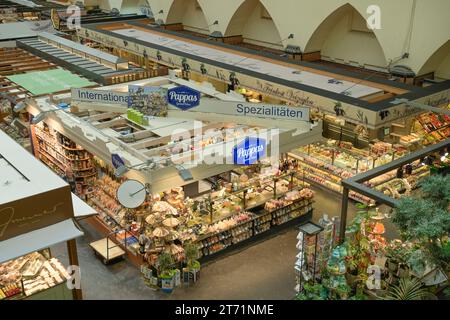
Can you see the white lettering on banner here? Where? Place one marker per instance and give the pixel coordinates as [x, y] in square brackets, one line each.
[183, 98]
[248, 153]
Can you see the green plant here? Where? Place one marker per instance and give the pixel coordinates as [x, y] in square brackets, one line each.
[426, 219]
[408, 289]
[312, 292]
[190, 252]
[165, 263]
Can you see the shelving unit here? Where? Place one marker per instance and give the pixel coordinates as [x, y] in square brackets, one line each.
[327, 166]
[70, 161]
[432, 127]
[262, 222]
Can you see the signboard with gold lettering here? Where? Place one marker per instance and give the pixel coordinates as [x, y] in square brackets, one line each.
[35, 212]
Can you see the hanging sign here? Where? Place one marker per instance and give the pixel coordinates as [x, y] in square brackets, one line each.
[149, 101]
[117, 160]
[183, 97]
[249, 151]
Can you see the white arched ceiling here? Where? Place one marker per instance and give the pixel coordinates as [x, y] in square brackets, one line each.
[438, 62]
[344, 37]
[253, 21]
[132, 6]
[431, 26]
[190, 14]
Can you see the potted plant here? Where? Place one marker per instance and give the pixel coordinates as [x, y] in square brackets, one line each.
[191, 255]
[166, 272]
[408, 289]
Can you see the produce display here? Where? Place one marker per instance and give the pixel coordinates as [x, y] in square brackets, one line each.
[432, 127]
[30, 274]
[248, 204]
[326, 164]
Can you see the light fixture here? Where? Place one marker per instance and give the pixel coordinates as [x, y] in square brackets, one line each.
[19, 107]
[41, 116]
[185, 174]
[408, 168]
[291, 36]
[38, 118]
[161, 11]
[400, 172]
[120, 171]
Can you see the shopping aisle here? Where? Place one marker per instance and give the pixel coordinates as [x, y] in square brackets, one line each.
[262, 271]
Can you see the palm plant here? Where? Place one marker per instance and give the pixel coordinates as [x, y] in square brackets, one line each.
[408, 289]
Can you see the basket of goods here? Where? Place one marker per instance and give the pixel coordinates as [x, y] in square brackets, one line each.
[307, 193]
[162, 206]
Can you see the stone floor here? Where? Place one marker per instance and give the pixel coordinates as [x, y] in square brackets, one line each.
[261, 271]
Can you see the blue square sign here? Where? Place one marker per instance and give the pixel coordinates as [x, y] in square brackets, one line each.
[249, 151]
[183, 97]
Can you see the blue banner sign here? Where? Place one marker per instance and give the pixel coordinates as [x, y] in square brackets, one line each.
[249, 151]
[117, 160]
[183, 97]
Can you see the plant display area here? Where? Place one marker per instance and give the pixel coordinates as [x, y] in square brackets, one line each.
[415, 267]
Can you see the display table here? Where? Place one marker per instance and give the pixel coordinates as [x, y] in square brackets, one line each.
[59, 292]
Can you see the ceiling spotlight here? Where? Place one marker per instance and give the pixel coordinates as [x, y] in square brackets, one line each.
[38, 118]
[120, 171]
[20, 106]
[185, 174]
[41, 116]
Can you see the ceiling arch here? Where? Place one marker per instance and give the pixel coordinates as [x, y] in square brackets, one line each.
[255, 23]
[190, 13]
[437, 59]
[344, 34]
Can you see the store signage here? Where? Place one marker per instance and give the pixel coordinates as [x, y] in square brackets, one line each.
[183, 97]
[35, 212]
[100, 96]
[249, 151]
[148, 100]
[272, 111]
[117, 160]
[255, 110]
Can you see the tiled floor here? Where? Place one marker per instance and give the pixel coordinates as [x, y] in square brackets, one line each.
[262, 271]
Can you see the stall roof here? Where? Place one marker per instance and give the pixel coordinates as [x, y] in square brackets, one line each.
[316, 80]
[45, 82]
[82, 48]
[88, 68]
[24, 29]
[38, 240]
[81, 209]
[22, 175]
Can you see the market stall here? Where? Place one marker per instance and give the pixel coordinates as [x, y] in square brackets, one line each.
[326, 164]
[37, 211]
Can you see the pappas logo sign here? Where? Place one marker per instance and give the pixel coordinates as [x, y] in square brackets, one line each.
[183, 97]
[249, 151]
[117, 160]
